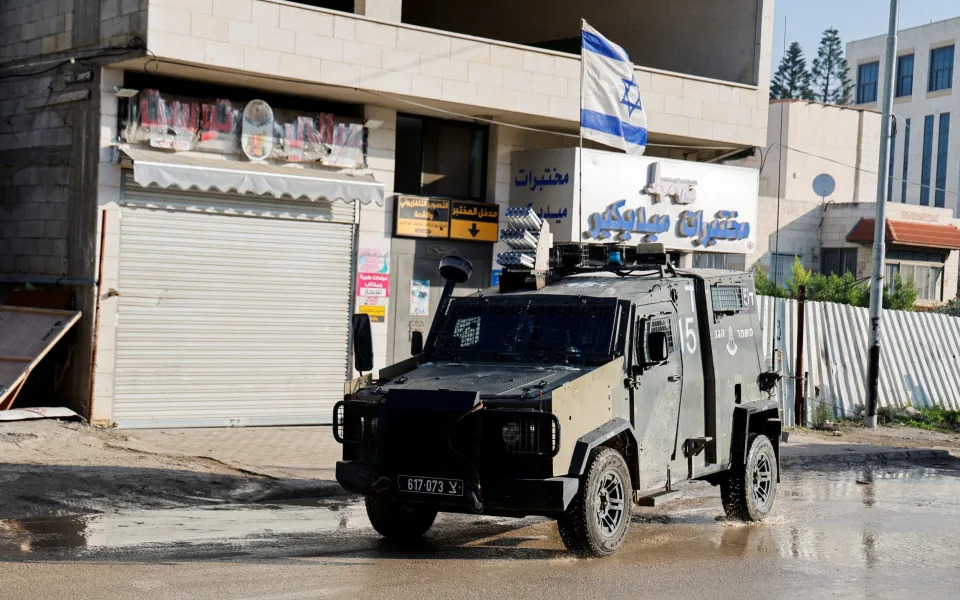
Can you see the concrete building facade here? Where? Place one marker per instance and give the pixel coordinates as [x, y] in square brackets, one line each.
[925, 162]
[834, 150]
[427, 79]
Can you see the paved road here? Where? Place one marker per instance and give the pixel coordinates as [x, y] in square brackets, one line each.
[882, 532]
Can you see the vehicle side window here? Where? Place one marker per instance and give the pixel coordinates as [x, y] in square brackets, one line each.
[727, 298]
[664, 324]
[467, 331]
[623, 328]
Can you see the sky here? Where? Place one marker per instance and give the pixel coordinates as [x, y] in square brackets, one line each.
[854, 19]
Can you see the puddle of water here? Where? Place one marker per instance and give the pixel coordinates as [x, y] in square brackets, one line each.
[860, 517]
[855, 517]
[182, 525]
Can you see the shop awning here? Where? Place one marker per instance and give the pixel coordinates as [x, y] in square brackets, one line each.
[909, 233]
[188, 171]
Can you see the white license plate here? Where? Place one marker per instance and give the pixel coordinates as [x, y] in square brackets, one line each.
[430, 485]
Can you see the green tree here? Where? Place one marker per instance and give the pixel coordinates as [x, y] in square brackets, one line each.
[834, 288]
[765, 286]
[950, 308]
[902, 297]
[831, 84]
[792, 79]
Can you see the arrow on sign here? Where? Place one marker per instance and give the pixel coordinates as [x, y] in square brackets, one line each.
[473, 230]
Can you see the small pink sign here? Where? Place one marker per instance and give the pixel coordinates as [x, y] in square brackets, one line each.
[373, 285]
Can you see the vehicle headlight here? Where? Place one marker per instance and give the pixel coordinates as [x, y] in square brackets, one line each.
[511, 433]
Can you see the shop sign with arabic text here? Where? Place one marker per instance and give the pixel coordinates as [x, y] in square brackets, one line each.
[685, 205]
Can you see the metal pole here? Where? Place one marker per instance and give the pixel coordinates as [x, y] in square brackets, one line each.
[580, 145]
[798, 403]
[880, 227]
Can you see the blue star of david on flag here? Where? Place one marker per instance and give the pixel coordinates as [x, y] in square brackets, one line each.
[631, 104]
[611, 110]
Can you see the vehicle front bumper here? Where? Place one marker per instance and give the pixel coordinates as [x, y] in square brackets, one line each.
[514, 496]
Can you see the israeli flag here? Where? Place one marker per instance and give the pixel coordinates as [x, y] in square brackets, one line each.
[611, 112]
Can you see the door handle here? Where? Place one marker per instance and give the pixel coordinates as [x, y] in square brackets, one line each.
[673, 378]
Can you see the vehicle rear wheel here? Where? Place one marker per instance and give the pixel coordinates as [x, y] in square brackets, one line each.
[398, 521]
[596, 522]
[748, 490]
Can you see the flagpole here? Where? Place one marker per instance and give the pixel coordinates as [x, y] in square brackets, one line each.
[580, 151]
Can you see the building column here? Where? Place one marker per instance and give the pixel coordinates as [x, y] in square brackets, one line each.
[376, 222]
[386, 10]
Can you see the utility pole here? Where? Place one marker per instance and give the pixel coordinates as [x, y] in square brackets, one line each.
[880, 226]
[799, 403]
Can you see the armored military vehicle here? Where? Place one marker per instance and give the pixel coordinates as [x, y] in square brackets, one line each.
[602, 378]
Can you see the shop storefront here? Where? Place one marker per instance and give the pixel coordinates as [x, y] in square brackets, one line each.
[692, 208]
[235, 265]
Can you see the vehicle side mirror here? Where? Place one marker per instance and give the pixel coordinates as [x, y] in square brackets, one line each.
[657, 349]
[362, 343]
[416, 342]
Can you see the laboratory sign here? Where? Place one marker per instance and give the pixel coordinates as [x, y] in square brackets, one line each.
[422, 217]
[684, 205]
[476, 221]
[449, 219]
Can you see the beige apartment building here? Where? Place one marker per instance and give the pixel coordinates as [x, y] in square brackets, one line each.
[221, 184]
[828, 222]
[925, 159]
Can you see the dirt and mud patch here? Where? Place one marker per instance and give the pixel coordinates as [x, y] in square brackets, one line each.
[895, 436]
[60, 468]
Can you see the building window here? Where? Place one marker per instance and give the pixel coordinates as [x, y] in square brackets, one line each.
[710, 260]
[925, 162]
[923, 268]
[867, 77]
[941, 69]
[906, 157]
[781, 266]
[904, 75]
[838, 261]
[435, 157]
[943, 140]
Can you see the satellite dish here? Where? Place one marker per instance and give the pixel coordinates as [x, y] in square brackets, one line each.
[823, 185]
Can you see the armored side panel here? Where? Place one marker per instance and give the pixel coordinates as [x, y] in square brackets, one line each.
[733, 363]
[586, 403]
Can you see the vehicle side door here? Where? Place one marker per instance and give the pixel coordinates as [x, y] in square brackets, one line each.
[657, 387]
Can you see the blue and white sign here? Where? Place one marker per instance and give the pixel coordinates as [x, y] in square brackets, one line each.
[611, 111]
[685, 205]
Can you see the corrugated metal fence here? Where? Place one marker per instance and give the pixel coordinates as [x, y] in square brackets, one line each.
[919, 360]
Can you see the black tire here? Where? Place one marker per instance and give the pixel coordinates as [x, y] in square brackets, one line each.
[749, 490]
[592, 525]
[399, 521]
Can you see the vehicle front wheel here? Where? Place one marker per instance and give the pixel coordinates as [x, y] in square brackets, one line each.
[399, 521]
[749, 489]
[596, 522]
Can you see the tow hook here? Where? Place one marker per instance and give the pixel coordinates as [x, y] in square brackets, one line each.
[381, 485]
[477, 504]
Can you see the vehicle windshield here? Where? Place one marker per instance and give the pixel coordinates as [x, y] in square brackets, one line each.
[528, 329]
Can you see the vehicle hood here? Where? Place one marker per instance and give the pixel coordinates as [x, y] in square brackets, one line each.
[491, 379]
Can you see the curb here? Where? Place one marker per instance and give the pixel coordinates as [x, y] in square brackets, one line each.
[866, 457]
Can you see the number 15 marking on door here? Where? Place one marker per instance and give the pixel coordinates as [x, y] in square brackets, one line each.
[688, 329]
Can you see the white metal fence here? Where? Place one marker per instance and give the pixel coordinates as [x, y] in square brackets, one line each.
[919, 359]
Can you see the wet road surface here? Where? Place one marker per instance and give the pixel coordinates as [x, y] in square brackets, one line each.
[870, 532]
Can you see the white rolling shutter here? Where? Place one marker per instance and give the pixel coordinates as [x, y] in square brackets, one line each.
[233, 310]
